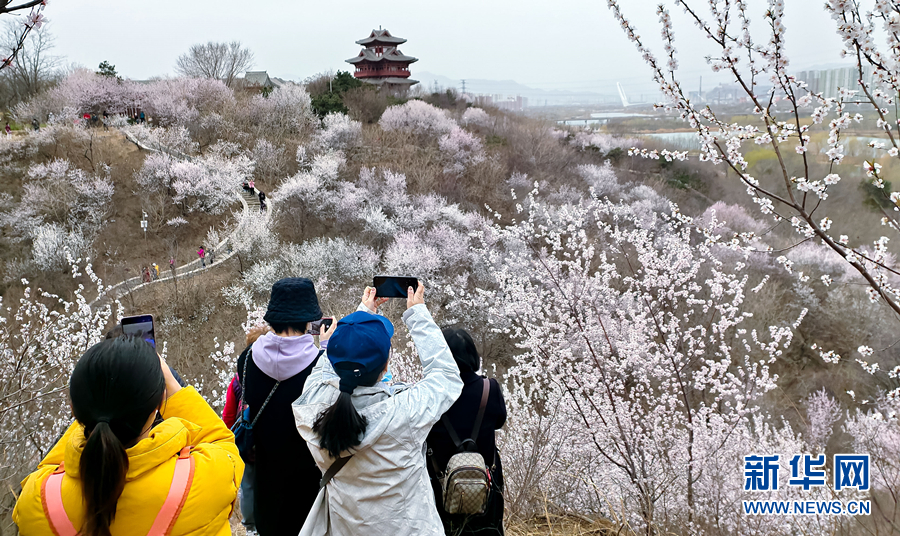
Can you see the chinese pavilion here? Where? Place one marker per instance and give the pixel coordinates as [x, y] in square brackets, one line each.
[381, 62]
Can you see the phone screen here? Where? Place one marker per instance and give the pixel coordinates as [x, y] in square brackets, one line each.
[318, 326]
[140, 325]
[393, 286]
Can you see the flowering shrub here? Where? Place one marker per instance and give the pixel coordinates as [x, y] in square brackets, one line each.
[476, 117]
[285, 111]
[636, 353]
[207, 182]
[339, 132]
[460, 149]
[417, 118]
[599, 141]
[41, 338]
[60, 205]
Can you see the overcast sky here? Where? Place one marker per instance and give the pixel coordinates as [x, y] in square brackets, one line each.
[559, 44]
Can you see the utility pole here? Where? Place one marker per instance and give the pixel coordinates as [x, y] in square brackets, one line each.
[700, 93]
[463, 87]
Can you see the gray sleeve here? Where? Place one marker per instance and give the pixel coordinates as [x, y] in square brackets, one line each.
[427, 400]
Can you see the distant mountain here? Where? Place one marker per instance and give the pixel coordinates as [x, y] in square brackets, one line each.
[511, 88]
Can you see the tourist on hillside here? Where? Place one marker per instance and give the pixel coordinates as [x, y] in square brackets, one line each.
[91, 485]
[461, 417]
[172, 265]
[145, 274]
[348, 416]
[251, 185]
[155, 272]
[211, 253]
[274, 368]
[202, 254]
[8, 129]
[34, 124]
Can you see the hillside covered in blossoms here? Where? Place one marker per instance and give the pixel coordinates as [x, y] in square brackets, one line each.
[654, 316]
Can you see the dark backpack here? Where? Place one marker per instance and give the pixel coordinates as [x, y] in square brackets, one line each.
[466, 482]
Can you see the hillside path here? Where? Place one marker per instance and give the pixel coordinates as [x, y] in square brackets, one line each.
[223, 250]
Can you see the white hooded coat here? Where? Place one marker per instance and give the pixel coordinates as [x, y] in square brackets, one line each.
[384, 488]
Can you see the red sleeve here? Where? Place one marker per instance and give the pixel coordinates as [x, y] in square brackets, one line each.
[229, 414]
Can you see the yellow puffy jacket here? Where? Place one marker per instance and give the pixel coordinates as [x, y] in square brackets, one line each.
[151, 462]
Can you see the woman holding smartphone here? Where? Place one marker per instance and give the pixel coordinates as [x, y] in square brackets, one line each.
[115, 472]
[368, 438]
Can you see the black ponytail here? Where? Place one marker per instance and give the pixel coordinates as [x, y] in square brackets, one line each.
[340, 427]
[115, 387]
[103, 466]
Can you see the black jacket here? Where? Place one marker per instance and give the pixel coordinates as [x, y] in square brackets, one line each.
[287, 478]
[441, 448]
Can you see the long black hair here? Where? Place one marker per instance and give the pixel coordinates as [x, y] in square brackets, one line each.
[340, 427]
[115, 387]
[463, 349]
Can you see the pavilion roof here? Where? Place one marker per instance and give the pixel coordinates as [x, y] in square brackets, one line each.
[390, 80]
[381, 36]
[390, 54]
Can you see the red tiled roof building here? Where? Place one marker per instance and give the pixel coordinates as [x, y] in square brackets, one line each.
[381, 62]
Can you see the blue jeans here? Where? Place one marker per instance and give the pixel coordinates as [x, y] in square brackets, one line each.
[246, 495]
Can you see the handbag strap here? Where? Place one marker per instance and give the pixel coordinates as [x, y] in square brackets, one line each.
[261, 408]
[485, 391]
[336, 466]
[183, 477]
[243, 379]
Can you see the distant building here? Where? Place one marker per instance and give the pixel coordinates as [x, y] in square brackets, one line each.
[502, 102]
[381, 63]
[828, 81]
[258, 81]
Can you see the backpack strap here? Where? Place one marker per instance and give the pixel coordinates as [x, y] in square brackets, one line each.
[336, 466]
[178, 492]
[61, 525]
[51, 499]
[485, 391]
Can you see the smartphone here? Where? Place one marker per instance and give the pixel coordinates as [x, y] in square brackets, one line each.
[393, 286]
[140, 325]
[318, 326]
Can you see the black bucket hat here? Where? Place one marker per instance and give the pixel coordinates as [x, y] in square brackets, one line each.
[293, 300]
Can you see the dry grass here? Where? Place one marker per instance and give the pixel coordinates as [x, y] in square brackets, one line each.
[550, 525]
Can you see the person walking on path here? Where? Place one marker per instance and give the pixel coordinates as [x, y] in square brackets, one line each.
[251, 185]
[112, 471]
[172, 265]
[375, 432]
[212, 256]
[274, 368]
[202, 254]
[145, 274]
[8, 129]
[155, 272]
[461, 418]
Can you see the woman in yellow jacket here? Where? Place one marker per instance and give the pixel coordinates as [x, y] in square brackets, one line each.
[119, 471]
